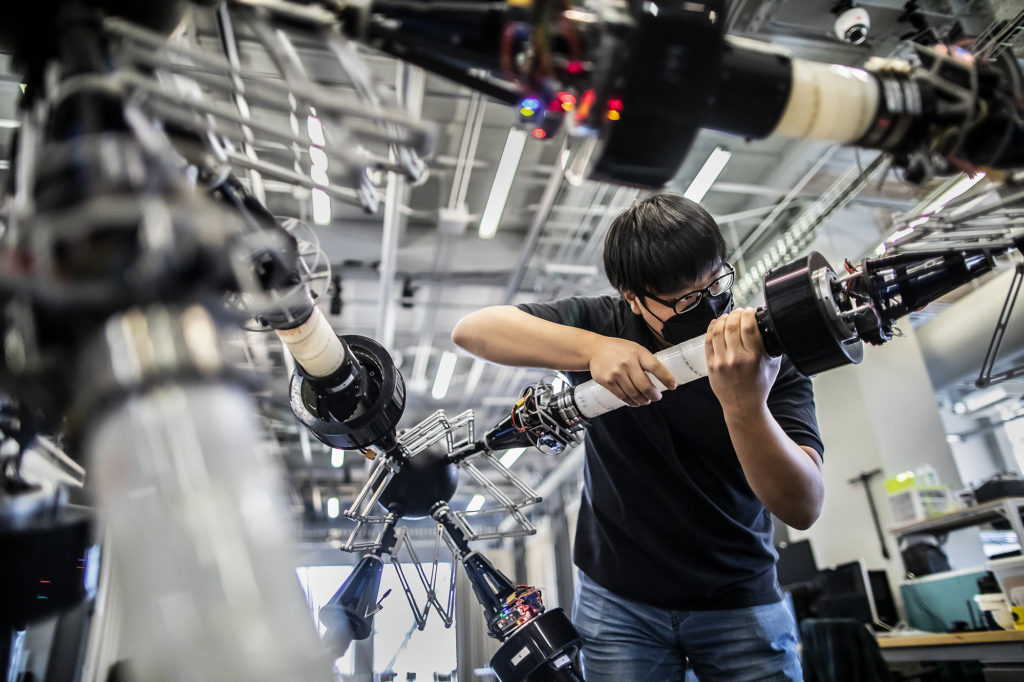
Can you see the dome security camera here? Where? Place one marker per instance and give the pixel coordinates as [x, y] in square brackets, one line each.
[852, 25]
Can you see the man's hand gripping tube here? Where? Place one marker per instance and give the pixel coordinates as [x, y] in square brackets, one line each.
[686, 361]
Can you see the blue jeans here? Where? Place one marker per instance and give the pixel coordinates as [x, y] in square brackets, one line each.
[627, 640]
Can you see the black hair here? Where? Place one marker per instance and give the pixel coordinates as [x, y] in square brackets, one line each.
[661, 244]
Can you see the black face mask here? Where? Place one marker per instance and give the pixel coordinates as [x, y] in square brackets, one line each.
[693, 323]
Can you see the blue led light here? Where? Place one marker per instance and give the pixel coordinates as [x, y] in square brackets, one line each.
[531, 103]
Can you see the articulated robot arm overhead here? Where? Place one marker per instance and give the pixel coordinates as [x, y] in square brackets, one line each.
[640, 79]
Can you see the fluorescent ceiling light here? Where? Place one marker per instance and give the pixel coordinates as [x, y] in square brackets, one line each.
[445, 370]
[318, 174]
[937, 204]
[979, 400]
[337, 458]
[317, 157]
[321, 207]
[570, 269]
[510, 456]
[419, 363]
[708, 174]
[900, 234]
[476, 371]
[961, 186]
[475, 504]
[502, 182]
[316, 131]
[333, 507]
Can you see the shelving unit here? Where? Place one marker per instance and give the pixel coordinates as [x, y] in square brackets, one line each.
[1007, 508]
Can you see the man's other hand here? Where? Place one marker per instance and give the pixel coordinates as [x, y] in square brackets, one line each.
[621, 366]
[740, 370]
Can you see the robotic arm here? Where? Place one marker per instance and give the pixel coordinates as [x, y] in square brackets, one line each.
[816, 317]
[641, 79]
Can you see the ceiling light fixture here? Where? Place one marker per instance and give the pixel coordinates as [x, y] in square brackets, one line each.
[502, 185]
[321, 207]
[510, 457]
[318, 170]
[707, 175]
[445, 370]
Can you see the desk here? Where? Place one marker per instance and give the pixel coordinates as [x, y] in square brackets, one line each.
[996, 646]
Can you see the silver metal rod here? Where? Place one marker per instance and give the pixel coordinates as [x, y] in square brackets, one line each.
[210, 122]
[356, 510]
[421, 618]
[511, 478]
[58, 458]
[547, 203]
[272, 93]
[342, 193]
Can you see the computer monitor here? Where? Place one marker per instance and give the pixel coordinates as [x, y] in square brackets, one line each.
[881, 595]
[845, 592]
[796, 563]
[851, 591]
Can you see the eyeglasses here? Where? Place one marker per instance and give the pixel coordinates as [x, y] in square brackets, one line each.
[686, 302]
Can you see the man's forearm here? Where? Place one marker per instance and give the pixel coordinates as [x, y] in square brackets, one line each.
[785, 476]
[509, 336]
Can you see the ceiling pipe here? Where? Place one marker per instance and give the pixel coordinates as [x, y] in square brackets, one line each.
[451, 227]
[229, 43]
[547, 202]
[409, 83]
[783, 204]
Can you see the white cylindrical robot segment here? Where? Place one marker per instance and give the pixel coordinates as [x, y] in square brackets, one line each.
[686, 361]
[829, 102]
[314, 345]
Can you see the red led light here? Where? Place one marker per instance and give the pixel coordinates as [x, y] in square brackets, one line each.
[585, 104]
[539, 133]
[574, 68]
[567, 101]
[615, 104]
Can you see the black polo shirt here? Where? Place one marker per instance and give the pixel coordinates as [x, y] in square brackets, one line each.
[667, 517]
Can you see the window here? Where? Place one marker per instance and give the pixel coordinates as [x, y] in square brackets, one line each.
[423, 653]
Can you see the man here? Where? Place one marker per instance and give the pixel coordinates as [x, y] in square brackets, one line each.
[674, 539]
